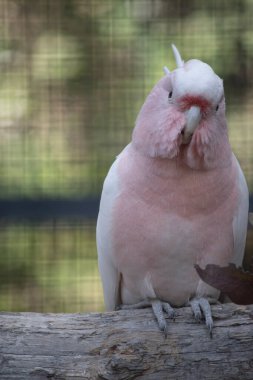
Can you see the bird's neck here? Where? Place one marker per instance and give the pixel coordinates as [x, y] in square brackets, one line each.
[189, 158]
[171, 183]
[206, 151]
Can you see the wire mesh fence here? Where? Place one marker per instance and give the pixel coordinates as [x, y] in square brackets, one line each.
[74, 74]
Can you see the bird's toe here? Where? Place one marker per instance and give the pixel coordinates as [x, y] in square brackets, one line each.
[169, 310]
[201, 308]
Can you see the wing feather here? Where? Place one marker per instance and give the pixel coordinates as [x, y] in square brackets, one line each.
[108, 271]
[240, 221]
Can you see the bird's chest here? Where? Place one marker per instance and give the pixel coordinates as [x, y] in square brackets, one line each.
[162, 220]
[190, 196]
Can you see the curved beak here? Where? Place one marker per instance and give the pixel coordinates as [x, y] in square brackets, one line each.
[192, 116]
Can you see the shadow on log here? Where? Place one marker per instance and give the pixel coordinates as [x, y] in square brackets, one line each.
[126, 345]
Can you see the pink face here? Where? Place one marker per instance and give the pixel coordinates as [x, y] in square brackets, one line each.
[161, 122]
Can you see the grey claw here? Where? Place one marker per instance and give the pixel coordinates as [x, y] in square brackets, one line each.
[199, 306]
[165, 331]
[196, 310]
[169, 310]
[163, 327]
[157, 307]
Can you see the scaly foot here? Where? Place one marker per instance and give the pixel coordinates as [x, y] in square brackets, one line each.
[158, 308]
[202, 306]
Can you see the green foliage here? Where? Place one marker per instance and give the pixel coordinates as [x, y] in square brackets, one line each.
[49, 267]
[57, 57]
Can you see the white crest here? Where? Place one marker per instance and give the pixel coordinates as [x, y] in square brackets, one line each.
[178, 59]
[166, 70]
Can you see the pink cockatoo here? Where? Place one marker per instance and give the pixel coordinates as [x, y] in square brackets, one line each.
[175, 197]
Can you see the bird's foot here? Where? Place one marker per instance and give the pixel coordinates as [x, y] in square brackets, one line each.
[158, 308]
[201, 306]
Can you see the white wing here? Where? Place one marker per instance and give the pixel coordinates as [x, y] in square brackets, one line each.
[240, 221]
[109, 273]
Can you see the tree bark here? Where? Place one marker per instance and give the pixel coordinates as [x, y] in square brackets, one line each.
[126, 345]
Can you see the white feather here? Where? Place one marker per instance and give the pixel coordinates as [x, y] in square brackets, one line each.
[166, 70]
[241, 218]
[109, 273]
[198, 79]
[178, 59]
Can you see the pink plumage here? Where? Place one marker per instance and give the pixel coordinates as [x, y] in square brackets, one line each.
[174, 197]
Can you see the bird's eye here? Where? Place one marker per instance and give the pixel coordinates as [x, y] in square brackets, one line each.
[217, 107]
[170, 94]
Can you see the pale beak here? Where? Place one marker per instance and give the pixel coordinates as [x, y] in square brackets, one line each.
[192, 116]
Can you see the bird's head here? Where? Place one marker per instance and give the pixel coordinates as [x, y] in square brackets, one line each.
[184, 116]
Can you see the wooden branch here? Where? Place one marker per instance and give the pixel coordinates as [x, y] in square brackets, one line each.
[126, 345]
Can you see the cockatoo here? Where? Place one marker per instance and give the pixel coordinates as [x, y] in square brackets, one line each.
[175, 197]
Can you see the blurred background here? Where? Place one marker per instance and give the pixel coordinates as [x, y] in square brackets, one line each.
[73, 76]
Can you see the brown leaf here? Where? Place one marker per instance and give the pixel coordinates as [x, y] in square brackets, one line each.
[230, 280]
